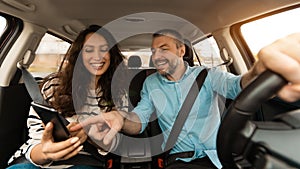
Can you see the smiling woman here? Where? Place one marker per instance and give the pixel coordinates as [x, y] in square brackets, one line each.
[81, 89]
[95, 54]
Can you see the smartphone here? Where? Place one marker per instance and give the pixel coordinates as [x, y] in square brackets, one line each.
[48, 114]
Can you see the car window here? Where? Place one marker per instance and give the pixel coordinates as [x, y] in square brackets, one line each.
[144, 54]
[208, 53]
[3, 24]
[263, 31]
[49, 55]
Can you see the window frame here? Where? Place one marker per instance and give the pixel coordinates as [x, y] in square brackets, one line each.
[237, 36]
[10, 34]
[197, 58]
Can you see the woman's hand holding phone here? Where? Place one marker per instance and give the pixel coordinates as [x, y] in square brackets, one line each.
[48, 150]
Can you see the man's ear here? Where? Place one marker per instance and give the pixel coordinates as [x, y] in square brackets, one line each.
[182, 50]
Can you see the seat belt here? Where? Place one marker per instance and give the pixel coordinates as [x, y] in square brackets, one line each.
[34, 91]
[184, 112]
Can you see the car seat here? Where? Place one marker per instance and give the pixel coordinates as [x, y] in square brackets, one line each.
[134, 61]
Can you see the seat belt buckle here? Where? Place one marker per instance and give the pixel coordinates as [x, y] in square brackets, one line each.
[160, 163]
[109, 164]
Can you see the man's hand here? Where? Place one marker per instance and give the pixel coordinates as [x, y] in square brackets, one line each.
[80, 133]
[283, 57]
[102, 127]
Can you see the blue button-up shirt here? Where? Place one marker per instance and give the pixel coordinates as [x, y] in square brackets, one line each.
[199, 132]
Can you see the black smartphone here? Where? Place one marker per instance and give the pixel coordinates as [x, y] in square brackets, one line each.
[48, 114]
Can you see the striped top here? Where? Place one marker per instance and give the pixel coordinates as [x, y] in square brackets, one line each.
[35, 125]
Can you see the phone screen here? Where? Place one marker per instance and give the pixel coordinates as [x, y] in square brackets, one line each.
[48, 114]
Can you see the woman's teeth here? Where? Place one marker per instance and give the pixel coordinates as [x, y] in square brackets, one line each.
[97, 65]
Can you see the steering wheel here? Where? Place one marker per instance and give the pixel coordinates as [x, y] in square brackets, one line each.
[241, 141]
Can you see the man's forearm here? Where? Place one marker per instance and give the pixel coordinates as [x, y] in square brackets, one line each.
[252, 73]
[132, 124]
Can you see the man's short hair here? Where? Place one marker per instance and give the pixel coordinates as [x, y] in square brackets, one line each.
[172, 33]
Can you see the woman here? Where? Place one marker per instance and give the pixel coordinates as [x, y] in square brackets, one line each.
[81, 88]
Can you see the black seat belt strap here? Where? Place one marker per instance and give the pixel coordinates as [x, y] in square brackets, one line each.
[32, 87]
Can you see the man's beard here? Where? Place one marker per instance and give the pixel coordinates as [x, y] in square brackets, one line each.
[171, 69]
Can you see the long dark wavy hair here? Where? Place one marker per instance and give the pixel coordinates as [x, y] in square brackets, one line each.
[74, 78]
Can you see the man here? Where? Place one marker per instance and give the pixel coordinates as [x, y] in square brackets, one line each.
[165, 91]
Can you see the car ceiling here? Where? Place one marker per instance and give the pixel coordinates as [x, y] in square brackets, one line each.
[134, 20]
